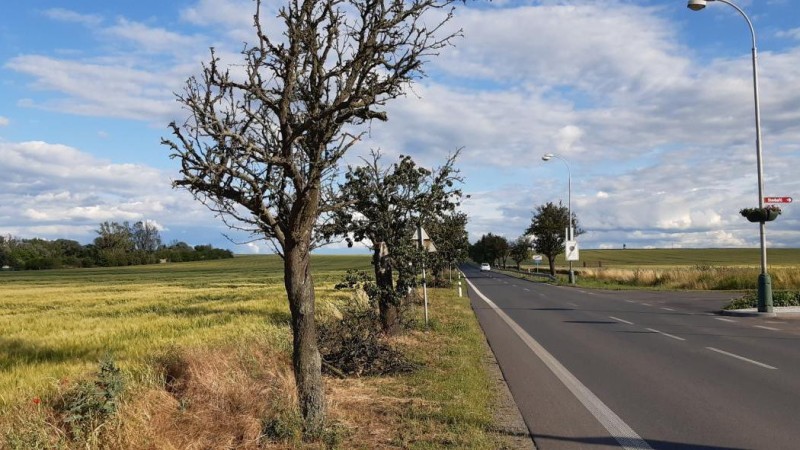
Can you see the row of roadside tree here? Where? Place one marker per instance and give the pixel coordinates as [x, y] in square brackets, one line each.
[545, 235]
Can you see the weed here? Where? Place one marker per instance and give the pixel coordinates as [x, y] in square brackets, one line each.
[91, 403]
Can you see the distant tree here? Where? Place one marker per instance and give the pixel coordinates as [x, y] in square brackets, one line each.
[449, 234]
[520, 250]
[384, 208]
[114, 244]
[490, 248]
[262, 148]
[548, 228]
[146, 237]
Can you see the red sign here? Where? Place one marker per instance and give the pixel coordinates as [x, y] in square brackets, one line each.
[777, 199]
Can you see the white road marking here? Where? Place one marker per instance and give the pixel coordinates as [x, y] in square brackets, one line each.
[527, 290]
[667, 309]
[572, 304]
[666, 334]
[767, 328]
[620, 320]
[724, 319]
[629, 301]
[647, 304]
[513, 285]
[624, 434]
[742, 358]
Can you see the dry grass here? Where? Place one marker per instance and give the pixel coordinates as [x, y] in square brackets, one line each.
[206, 361]
[693, 278]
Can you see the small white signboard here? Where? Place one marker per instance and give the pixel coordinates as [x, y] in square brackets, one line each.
[571, 248]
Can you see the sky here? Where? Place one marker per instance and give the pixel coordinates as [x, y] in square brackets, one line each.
[648, 105]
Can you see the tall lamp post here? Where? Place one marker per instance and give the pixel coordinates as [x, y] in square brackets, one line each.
[764, 281]
[548, 157]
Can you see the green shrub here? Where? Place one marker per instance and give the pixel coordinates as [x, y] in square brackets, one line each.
[779, 298]
[92, 402]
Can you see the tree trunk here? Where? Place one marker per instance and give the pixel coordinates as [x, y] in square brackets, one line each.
[387, 299]
[551, 260]
[306, 359]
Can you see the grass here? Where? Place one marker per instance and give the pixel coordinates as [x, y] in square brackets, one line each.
[690, 257]
[204, 348]
[691, 269]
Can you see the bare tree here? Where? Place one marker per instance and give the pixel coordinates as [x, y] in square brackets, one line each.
[262, 148]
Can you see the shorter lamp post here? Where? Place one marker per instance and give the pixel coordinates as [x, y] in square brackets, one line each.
[764, 281]
[548, 157]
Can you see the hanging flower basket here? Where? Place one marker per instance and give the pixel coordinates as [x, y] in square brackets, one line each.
[766, 214]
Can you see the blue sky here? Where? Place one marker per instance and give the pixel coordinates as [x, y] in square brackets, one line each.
[650, 103]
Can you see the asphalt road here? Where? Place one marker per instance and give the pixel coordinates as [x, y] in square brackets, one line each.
[638, 369]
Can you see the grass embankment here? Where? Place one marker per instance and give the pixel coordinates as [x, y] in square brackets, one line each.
[204, 350]
[693, 269]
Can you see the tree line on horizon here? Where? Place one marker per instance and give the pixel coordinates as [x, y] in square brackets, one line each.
[116, 244]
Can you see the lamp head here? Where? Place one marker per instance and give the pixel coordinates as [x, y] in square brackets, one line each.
[547, 156]
[697, 5]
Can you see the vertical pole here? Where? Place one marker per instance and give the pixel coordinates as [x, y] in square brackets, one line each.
[764, 281]
[424, 279]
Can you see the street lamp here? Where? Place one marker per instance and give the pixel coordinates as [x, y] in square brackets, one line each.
[548, 157]
[764, 281]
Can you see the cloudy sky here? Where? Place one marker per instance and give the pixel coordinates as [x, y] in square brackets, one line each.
[649, 103]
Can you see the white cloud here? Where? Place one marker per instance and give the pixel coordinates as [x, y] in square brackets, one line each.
[66, 15]
[52, 190]
[4, 121]
[793, 33]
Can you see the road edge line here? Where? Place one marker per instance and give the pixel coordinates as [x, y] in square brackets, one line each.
[617, 428]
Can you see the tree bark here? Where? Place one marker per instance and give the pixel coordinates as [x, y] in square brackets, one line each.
[387, 299]
[306, 359]
[551, 260]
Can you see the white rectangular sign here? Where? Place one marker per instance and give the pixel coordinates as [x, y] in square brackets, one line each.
[571, 250]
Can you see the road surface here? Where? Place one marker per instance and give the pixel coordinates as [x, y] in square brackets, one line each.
[640, 369]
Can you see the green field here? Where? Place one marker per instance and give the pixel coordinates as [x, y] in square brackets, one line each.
[686, 257]
[56, 323]
[226, 323]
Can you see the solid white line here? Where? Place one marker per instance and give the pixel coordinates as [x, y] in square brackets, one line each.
[667, 309]
[724, 319]
[742, 358]
[666, 334]
[767, 328]
[625, 436]
[620, 320]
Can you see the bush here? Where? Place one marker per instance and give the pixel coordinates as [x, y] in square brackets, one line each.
[91, 402]
[779, 298]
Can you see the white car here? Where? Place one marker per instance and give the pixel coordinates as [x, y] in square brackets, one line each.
[485, 267]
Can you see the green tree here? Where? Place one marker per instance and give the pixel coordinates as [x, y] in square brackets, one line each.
[114, 244]
[490, 248]
[384, 208]
[520, 250]
[548, 228]
[449, 234]
[262, 147]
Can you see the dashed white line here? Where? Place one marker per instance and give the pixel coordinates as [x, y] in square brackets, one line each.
[629, 301]
[620, 320]
[767, 328]
[647, 304]
[724, 319]
[667, 309]
[766, 366]
[527, 290]
[666, 334]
